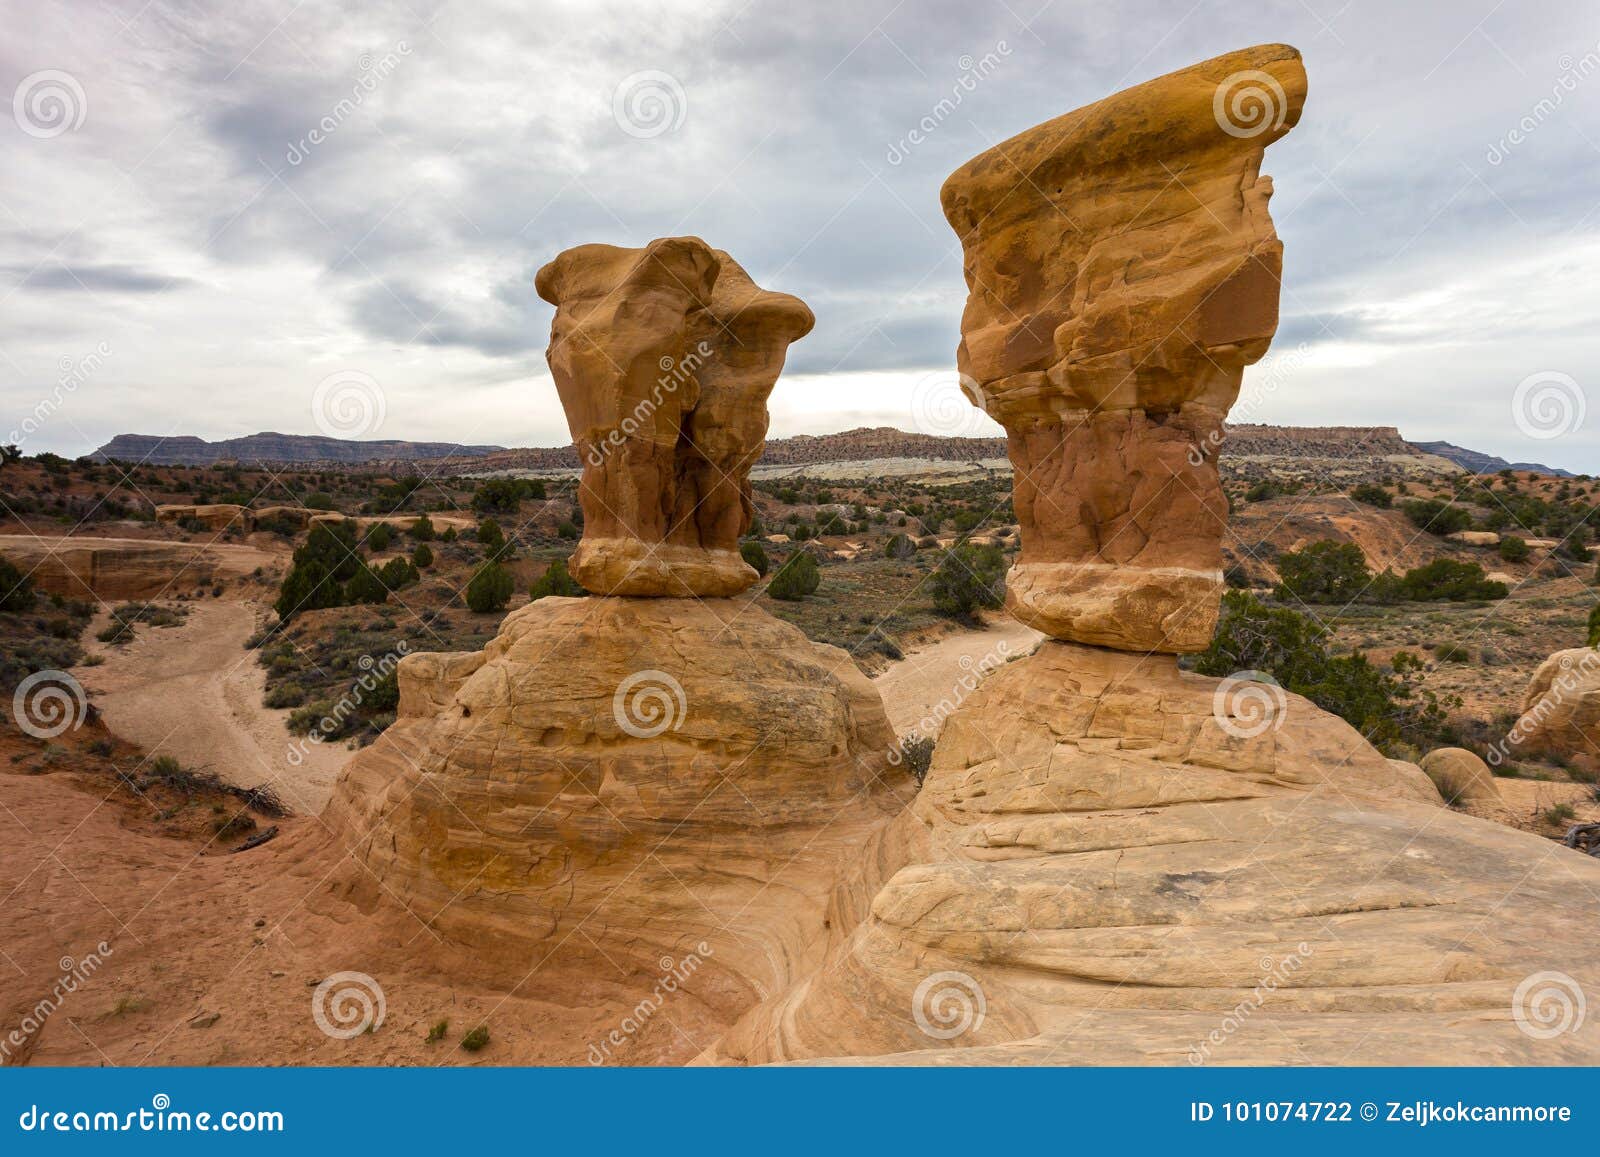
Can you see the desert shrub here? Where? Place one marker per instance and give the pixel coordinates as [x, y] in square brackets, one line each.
[367, 586]
[1436, 517]
[899, 546]
[567, 529]
[318, 501]
[490, 588]
[1391, 708]
[1323, 572]
[798, 577]
[378, 537]
[1445, 579]
[916, 754]
[476, 1039]
[422, 557]
[16, 588]
[1372, 495]
[1592, 639]
[1513, 549]
[422, 530]
[322, 565]
[288, 694]
[557, 580]
[502, 495]
[967, 578]
[398, 573]
[1452, 653]
[449, 534]
[755, 555]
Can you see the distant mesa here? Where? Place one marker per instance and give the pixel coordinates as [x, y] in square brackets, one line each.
[1478, 462]
[271, 447]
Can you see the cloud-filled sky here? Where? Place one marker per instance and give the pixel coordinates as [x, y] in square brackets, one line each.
[209, 209]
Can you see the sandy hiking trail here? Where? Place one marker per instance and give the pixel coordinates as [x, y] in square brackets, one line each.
[913, 688]
[194, 692]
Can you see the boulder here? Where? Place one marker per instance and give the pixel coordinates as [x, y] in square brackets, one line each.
[663, 358]
[1475, 537]
[1561, 708]
[1112, 309]
[1461, 777]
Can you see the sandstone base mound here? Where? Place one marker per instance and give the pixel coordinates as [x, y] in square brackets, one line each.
[630, 780]
[1116, 862]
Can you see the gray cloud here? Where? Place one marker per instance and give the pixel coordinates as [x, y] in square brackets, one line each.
[372, 187]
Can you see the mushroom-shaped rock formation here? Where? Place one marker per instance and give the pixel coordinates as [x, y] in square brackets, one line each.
[1113, 861]
[664, 357]
[1122, 271]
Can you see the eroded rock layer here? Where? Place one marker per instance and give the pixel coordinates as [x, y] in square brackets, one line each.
[623, 779]
[1110, 858]
[1122, 271]
[664, 358]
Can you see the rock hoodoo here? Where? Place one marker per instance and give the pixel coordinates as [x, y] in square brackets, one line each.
[664, 357]
[615, 781]
[1122, 271]
[1112, 861]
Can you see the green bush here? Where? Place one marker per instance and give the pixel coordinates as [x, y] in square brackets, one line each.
[1513, 549]
[321, 567]
[567, 529]
[422, 530]
[1593, 637]
[490, 588]
[558, 581]
[1323, 572]
[1436, 517]
[968, 577]
[318, 501]
[1391, 708]
[422, 557]
[756, 556]
[798, 577]
[899, 546]
[1446, 580]
[379, 536]
[16, 588]
[502, 495]
[1372, 495]
[398, 573]
[366, 586]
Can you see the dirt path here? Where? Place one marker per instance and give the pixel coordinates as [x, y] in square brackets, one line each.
[194, 692]
[914, 689]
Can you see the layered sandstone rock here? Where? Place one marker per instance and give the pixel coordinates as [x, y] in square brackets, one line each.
[664, 358]
[1109, 858]
[1461, 777]
[1561, 709]
[1122, 271]
[80, 567]
[650, 773]
[212, 516]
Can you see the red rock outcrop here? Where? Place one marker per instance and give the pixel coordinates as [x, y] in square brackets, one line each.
[664, 358]
[1122, 271]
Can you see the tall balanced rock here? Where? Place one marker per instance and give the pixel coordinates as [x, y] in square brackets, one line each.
[1122, 271]
[664, 358]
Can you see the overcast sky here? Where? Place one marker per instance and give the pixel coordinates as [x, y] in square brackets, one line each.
[181, 253]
